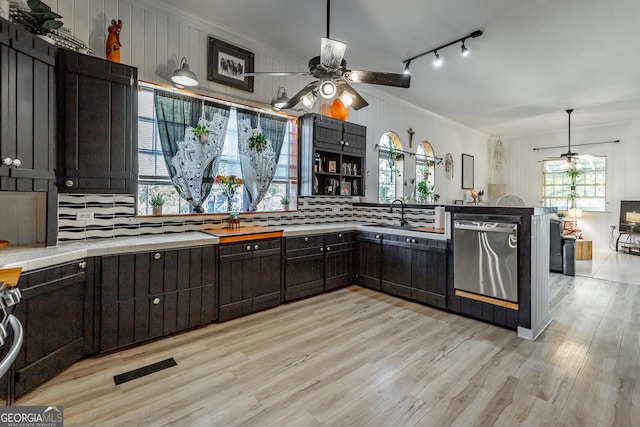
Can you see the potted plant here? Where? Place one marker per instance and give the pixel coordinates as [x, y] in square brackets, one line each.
[284, 201]
[201, 131]
[257, 142]
[39, 19]
[394, 156]
[156, 201]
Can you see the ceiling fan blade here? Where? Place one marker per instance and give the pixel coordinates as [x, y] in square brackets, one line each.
[359, 101]
[332, 53]
[295, 99]
[378, 78]
[277, 73]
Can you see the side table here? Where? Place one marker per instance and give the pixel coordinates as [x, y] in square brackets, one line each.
[583, 249]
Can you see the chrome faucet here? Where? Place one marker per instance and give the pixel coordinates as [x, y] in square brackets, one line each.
[403, 221]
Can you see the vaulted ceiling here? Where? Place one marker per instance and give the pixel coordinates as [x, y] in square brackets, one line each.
[536, 58]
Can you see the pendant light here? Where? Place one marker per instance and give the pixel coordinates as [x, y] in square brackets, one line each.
[183, 76]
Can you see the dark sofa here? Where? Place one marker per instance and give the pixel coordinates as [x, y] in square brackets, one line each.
[562, 256]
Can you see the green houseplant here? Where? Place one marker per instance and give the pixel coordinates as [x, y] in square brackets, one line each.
[39, 19]
[284, 201]
[201, 131]
[257, 142]
[156, 201]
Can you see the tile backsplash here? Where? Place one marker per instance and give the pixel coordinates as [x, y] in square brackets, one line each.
[23, 217]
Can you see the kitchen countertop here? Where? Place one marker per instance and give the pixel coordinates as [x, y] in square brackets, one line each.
[32, 257]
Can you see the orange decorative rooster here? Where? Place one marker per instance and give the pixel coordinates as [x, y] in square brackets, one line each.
[113, 41]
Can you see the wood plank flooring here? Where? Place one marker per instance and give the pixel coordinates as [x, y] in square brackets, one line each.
[362, 358]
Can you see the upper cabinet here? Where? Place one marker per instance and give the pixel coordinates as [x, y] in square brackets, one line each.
[27, 111]
[98, 127]
[332, 156]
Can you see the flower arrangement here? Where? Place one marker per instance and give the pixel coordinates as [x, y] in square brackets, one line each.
[229, 185]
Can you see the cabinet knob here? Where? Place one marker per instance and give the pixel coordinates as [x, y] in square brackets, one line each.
[340, 235]
[68, 183]
[341, 142]
[16, 162]
[256, 247]
[82, 264]
[328, 248]
[157, 255]
[408, 240]
[248, 247]
[321, 249]
[346, 143]
[413, 240]
[156, 301]
[378, 236]
[306, 239]
[7, 161]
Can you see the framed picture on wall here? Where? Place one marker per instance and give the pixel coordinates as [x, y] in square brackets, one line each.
[467, 172]
[227, 64]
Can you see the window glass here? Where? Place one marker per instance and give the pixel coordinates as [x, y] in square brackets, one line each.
[153, 177]
[589, 192]
[425, 170]
[391, 168]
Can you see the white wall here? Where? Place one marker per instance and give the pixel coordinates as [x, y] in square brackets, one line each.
[156, 35]
[523, 170]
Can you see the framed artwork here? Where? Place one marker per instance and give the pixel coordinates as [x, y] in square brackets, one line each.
[345, 189]
[467, 172]
[332, 165]
[227, 64]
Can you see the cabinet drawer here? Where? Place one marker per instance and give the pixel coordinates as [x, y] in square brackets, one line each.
[303, 242]
[339, 237]
[249, 247]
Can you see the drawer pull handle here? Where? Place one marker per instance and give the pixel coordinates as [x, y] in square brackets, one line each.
[340, 235]
[408, 240]
[68, 183]
[248, 247]
[321, 249]
[156, 301]
[82, 264]
[328, 248]
[306, 239]
[256, 247]
[157, 255]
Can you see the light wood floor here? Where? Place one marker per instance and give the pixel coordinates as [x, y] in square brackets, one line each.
[357, 357]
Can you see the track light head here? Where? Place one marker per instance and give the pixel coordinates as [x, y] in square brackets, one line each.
[463, 50]
[437, 61]
[407, 68]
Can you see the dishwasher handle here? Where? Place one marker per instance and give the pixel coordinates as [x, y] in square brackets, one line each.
[511, 229]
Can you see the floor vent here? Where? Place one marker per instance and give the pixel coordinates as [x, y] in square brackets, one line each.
[145, 370]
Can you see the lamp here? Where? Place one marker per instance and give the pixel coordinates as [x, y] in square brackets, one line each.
[407, 68]
[280, 100]
[575, 213]
[437, 62]
[183, 76]
[327, 89]
[309, 99]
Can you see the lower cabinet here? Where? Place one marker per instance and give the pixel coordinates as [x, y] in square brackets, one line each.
[151, 294]
[249, 277]
[368, 259]
[396, 266]
[316, 263]
[56, 312]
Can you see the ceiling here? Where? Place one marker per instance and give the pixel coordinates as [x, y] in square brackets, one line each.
[536, 58]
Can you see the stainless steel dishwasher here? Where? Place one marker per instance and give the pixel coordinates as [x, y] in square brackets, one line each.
[485, 255]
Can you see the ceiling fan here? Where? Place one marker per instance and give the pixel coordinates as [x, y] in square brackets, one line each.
[569, 155]
[333, 77]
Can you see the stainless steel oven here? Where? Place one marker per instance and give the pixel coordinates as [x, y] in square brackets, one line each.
[485, 255]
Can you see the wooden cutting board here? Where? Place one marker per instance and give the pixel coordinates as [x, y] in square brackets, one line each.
[240, 234]
[10, 276]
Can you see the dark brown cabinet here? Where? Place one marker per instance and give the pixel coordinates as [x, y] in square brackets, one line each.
[317, 263]
[368, 259]
[429, 272]
[249, 277]
[396, 266]
[56, 313]
[332, 156]
[27, 111]
[97, 125]
[151, 294]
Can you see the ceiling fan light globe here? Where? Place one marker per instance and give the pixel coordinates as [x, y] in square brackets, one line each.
[308, 100]
[347, 98]
[327, 89]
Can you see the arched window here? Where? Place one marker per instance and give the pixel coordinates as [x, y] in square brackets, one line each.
[391, 167]
[425, 174]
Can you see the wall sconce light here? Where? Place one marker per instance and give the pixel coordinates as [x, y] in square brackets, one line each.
[464, 51]
[183, 77]
[280, 100]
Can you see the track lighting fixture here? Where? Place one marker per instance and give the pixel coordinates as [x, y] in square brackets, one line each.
[464, 51]
[280, 100]
[183, 76]
[437, 61]
[407, 68]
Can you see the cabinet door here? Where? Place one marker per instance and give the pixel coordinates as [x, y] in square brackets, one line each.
[98, 103]
[355, 139]
[368, 259]
[327, 134]
[56, 312]
[249, 277]
[27, 110]
[304, 266]
[396, 265]
[152, 294]
[339, 252]
[429, 272]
